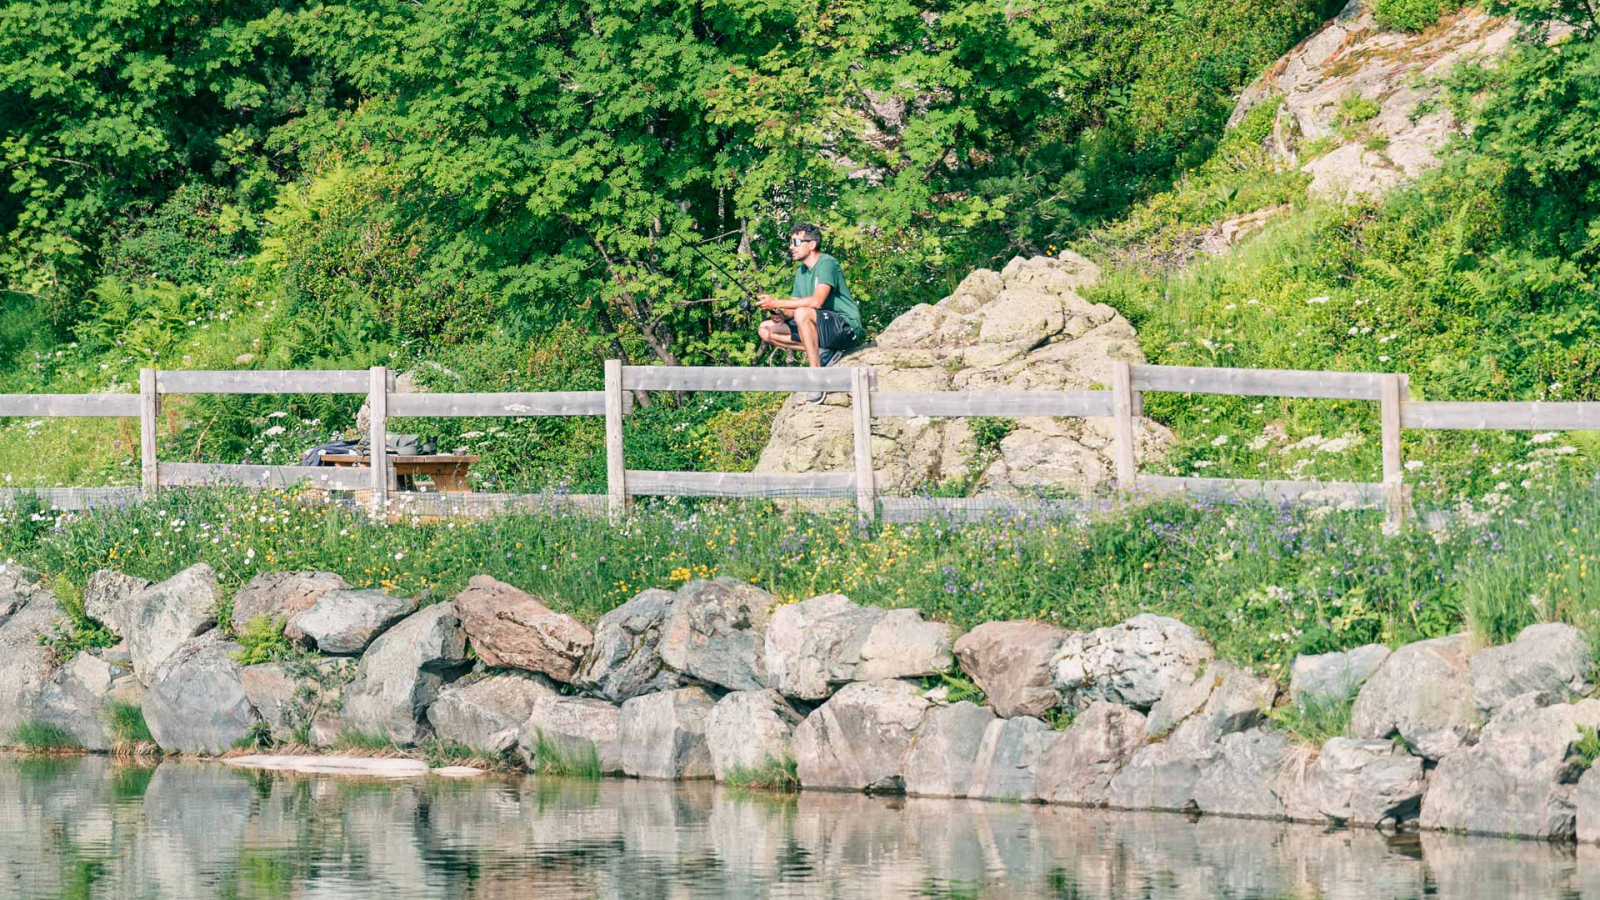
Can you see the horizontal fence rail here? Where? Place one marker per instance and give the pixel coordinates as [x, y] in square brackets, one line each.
[1122, 404]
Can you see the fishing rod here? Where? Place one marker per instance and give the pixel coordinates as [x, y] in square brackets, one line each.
[745, 302]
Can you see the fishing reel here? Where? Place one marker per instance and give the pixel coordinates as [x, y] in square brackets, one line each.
[745, 306]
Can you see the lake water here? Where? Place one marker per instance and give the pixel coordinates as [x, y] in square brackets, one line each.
[90, 827]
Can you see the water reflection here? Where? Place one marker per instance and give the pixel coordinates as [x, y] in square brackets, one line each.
[91, 827]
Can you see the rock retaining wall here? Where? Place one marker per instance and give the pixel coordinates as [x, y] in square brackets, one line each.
[721, 680]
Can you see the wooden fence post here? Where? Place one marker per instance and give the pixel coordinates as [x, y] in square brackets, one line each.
[616, 488]
[378, 437]
[1390, 392]
[1122, 416]
[861, 414]
[149, 409]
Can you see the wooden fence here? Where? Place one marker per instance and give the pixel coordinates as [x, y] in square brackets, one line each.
[1122, 403]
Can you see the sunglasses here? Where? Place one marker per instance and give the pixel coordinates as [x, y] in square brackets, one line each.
[796, 242]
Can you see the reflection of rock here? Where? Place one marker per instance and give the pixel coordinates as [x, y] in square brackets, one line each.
[1134, 663]
[1011, 661]
[815, 646]
[1423, 692]
[860, 738]
[1550, 656]
[1024, 328]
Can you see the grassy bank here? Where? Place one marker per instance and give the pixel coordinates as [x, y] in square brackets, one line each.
[1263, 583]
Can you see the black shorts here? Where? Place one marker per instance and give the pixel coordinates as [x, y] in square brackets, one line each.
[833, 332]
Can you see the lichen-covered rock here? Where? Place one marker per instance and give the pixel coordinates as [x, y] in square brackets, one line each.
[576, 728]
[860, 738]
[1011, 662]
[1519, 778]
[1079, 768]
[1024, 328]
[750, 729]
[106, 596]
[1133, 663]
[403, 671]
[25, 664]
[625, 661]
[941, 762]
[281, 595]
[664, 735]
[487, 714]
[75, 700]
[299, 701]
[716, 633]
[816, 645]
[1366, 782]
[344, 623]
[514, 629]
[1242, 780]
[1008, 758]
[196, 702]
[1551, 657]
[1422, 692]
[1331, 677]
[163, 616]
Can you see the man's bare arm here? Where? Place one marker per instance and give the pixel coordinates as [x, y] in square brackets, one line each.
[814, 301]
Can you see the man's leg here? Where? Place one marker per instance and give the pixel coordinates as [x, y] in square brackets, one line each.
[777, 334]
[805, 320]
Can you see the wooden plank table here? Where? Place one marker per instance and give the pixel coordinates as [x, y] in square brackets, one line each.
[449, 472]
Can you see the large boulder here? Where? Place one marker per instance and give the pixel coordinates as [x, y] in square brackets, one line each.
[344, 623]
[1078, 769]
[75, 700]
[1162, 776]
[1334, 677]
[575, 728]
[664, 735]
[941, 762]
[30, 614]
[299, 700]
[514, 629]
[106, 595]
[816, 645]
[1366, 782]
[1007, 762]
[750, 729]
[403, 671]
[281, 595]
[859, 740]
[1243, 780]
[1011, 662]
[1134, 663]
[1023, 328]
[196, 702]
[1520, 777]
[163, 616]
[716, 633]
[1222, 700]
[626, 659]
[1552, 657]
[1422, 692]
[1586, 803]
[487, 714]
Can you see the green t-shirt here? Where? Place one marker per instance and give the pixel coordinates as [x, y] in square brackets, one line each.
[827, 271]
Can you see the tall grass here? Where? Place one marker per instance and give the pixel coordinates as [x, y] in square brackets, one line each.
[127, 723]
[550, 757]
[1542, 566]
[1314, 719]
[38, 736]
[771, 774]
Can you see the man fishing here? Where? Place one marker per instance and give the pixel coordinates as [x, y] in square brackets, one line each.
[819, 318]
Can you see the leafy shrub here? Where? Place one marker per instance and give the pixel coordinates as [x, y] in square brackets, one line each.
[1411, 15]
[78, 632]
[189, 238]
[261, 641]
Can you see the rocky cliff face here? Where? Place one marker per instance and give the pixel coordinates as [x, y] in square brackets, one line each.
[1023, 328]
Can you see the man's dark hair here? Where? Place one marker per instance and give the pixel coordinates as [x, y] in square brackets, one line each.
[808, 232]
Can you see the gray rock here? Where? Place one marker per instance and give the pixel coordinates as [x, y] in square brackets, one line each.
[815, 646]
[664, 735]
[1242, 780]
[1423, 692]
[1008, 759]
[749, 729]
[1079, 768]
[1520, 777]
[575, 727]
[1134, 663]
[1551, 656]
[196, 701]
[1366, 782]
[1162, 775]
[940, 763]
[403, 671]
[163, 616]
[1332, 677]
[1238, 701]
[297, 699]
[1586, 803]
[344, 623]
[488, 714]
[626, 659]
[25, 664]
[514, 629]
[716, 633]
[860, 738]
[1011, 661]
[17, 587]
[106, 596]
[281, 595]
[75, 699]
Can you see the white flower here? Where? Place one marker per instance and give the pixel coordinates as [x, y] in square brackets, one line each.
[1318, 300]
[1413, 464]
[274, 430]
[1544, 437]
[276, 415]
[1203, 464]
[1383, 359]
[1219, 440]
